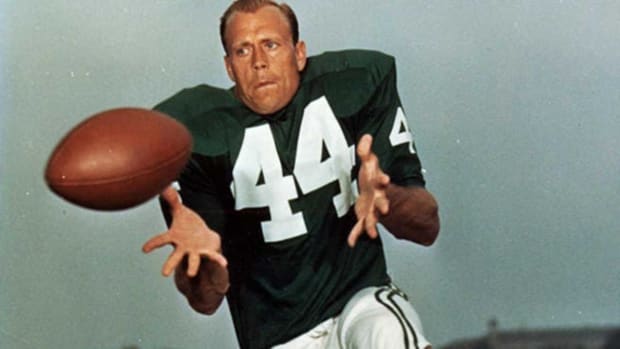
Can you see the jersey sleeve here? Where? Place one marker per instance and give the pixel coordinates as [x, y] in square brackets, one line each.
[383, 117]
[202, 194]
[199, 185]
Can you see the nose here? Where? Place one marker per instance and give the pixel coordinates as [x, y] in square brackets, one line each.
[259, 59]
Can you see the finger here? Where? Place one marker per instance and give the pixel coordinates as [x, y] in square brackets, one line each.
[363, 146]
[357, 230]
[384, 179]
[372, 162]
[193, 264]
[172, 262]
[369, 160]
[371, 227]
[371, 169]
[156, 242]
[171, 196]
[383, 205]
[217, 258]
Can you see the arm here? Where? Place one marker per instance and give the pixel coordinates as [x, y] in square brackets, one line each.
[409, 213]
[413, 214]
[205, 291]
[201, 272]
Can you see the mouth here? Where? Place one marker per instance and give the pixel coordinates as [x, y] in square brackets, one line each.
[265, 83]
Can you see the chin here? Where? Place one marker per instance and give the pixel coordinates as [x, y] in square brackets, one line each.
[266, 108]
[266, 111]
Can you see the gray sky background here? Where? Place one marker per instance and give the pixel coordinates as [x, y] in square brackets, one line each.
[515, 107]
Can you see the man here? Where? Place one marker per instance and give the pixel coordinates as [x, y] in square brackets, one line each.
[269, 214]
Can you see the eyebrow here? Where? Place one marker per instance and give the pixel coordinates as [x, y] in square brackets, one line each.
[272, 37]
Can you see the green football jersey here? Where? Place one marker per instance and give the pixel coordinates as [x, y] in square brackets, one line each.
[280, 189]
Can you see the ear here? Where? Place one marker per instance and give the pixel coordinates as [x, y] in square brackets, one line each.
[300, 55]
[229, 69]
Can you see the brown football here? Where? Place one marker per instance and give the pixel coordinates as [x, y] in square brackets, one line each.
[118, 158]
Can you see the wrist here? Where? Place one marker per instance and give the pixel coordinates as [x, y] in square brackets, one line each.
[221, 289]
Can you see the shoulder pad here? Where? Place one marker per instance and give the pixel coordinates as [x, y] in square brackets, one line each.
[203, 109]
[351, 78]
[376, 63]
[198, 100]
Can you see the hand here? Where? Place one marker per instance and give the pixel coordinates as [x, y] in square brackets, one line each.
[189, 235]
[372, 200]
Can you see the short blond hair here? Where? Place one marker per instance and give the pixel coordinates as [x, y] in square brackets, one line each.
[251, 6]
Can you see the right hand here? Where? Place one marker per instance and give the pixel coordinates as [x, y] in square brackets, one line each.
[189, 235]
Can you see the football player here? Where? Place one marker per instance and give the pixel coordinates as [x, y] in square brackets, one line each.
[291, 171]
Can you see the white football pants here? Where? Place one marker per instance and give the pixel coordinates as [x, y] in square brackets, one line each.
[375, 318]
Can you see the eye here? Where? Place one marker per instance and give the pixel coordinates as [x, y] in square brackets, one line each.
[271, 45]
[242, 51]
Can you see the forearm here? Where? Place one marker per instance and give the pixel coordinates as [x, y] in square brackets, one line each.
[413, 214]
[204, 292]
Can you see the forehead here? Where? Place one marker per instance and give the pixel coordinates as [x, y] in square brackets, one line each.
[267, 19]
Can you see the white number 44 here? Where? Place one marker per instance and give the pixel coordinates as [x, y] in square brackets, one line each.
[258, 179]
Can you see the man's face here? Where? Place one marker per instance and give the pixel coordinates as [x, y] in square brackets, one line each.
[262, 59]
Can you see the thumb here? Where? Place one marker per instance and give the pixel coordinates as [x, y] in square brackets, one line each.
[171, 196]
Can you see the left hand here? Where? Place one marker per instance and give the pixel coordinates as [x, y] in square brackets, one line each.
[372, 200]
